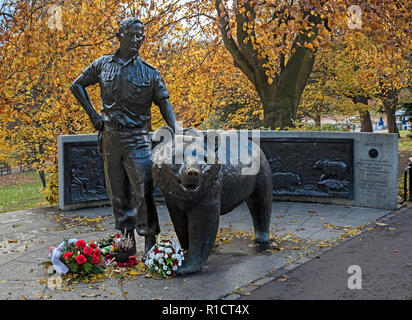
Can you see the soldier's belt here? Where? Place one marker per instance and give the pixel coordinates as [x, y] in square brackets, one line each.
[121, 127]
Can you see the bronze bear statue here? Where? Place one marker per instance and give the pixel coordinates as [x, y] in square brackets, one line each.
[197, 190]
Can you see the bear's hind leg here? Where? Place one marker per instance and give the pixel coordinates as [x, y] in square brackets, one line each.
[260, 207]
[261, 219]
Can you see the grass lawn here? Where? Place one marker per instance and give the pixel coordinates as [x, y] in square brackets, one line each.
[405, 143]
[25, 194]
[404, 152]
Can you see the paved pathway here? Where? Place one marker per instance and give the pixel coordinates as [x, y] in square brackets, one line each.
[381, 260]
[300, 231]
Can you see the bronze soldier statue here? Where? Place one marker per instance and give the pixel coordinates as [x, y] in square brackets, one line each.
[128, 87]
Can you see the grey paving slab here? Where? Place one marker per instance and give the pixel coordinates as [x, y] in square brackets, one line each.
[228, 272]
[326, 235]
[20, 290]
[22, 271]
[282, 207]
[316, 220]
[263, 281]
[232, 297]
[365, 215]
[289, 219]
[109, 290]
[26, 236]
[90, 212]
[298, 231]
[319, 209]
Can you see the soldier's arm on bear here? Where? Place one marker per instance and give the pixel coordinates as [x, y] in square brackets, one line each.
[161, 99]
[168, 115]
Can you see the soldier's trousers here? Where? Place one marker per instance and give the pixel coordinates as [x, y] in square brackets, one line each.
[128, 171]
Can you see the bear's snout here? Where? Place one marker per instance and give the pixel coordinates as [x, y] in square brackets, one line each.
[193, 172]
[190, 179]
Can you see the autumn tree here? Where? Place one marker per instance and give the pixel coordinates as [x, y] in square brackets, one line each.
[206, 91]
[348, 77]
[44, 46]
[38, 61]
[274, 43]
[406, 102]
[354, 66]
[393, 76]
[271, 42]
[319, 97]
[242, 61]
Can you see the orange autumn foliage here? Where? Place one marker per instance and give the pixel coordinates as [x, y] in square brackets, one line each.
[45, 44]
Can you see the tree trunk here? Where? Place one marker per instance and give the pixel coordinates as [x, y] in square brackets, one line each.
[281, 100]
[317, 119]
[365, 117]
[280, 96]
[389, 99]
[42, 178]
[366, 122]
[391, 119]
[280, 112]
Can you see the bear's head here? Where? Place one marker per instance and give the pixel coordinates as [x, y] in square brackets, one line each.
[185, 166]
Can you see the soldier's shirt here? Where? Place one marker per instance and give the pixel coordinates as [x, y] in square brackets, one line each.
[127, 90]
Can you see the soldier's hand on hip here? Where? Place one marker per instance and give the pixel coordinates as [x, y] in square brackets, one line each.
[97, 122]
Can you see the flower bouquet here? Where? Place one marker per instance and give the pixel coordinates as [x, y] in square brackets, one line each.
[130, 262]
[106, 245]
[76, 256]
[117, 248]
[165, 257]
[83, 258]
[122, 247]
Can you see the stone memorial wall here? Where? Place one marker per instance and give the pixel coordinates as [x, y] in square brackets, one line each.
[358, 169]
